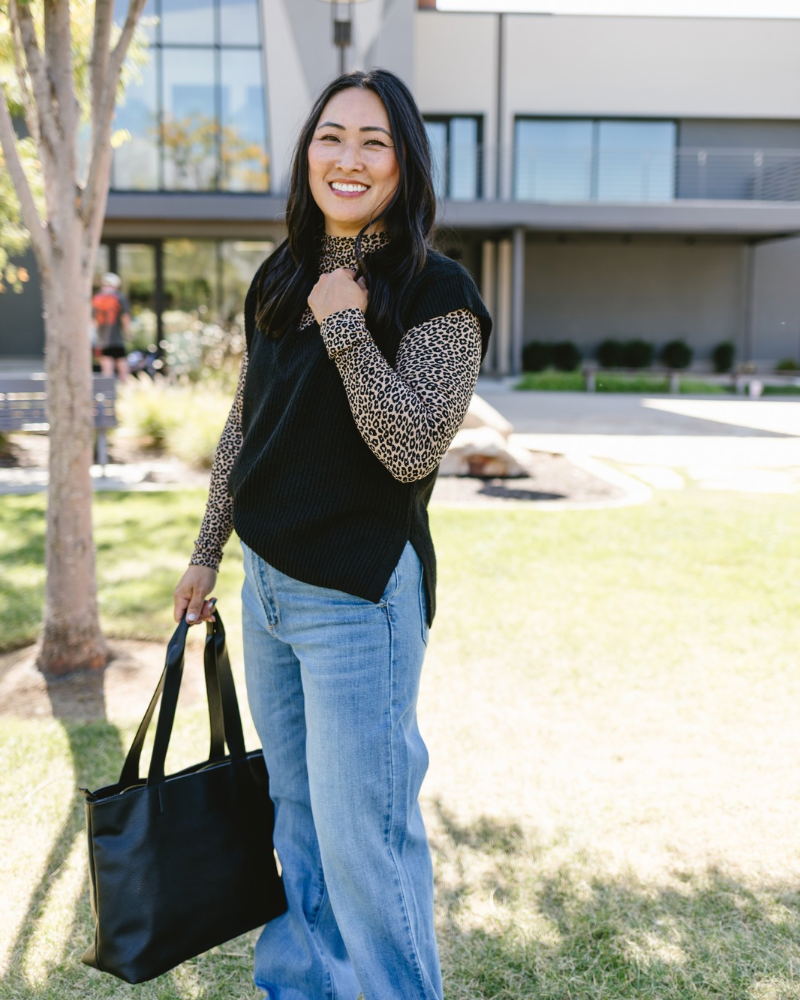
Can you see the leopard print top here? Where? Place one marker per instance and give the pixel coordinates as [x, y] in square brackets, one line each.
[407, 415]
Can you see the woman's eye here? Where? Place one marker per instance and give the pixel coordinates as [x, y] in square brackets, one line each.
[334, 137]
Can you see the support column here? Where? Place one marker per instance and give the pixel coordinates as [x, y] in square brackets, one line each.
[503, 310]
[488, 294]
[517, 300]
[749, 302]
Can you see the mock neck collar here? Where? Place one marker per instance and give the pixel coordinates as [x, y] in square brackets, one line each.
[340, 251]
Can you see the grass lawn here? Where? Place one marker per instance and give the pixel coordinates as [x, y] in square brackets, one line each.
[555, 381]
[610, 701]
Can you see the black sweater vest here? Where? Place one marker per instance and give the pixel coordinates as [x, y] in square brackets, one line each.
[308, 494]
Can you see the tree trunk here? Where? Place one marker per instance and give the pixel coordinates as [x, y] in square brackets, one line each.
[71, 638]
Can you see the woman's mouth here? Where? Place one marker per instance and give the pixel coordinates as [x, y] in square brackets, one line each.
[348, 189]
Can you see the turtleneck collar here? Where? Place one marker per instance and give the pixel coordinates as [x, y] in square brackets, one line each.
[340, 251]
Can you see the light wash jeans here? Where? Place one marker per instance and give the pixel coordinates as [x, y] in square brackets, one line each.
[332, 682]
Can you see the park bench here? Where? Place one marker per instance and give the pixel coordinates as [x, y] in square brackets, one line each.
[23, 407]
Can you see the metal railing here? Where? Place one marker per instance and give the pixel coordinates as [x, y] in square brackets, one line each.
[550, 174]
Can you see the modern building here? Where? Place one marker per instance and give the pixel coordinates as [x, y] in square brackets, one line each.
[600, 176]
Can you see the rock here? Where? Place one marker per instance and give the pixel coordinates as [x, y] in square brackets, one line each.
[483, 451]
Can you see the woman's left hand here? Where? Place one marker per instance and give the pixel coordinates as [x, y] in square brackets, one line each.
[336, 291]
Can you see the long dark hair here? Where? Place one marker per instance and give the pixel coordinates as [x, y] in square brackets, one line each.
[291, 272]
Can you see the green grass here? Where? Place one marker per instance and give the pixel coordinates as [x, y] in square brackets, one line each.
[609, 700]
[781, 390]
[554, 381]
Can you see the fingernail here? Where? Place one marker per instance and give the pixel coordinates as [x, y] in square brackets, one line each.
[190, 618]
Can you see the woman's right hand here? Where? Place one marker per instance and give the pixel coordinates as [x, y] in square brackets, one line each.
[194, 586]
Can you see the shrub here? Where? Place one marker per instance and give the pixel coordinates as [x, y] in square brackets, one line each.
[536, 356]
[723, 356]
[609, 353]
[637, 354]
[787, 365]
[148, 410]
[676, 354]
[184, 420]
[566, 356]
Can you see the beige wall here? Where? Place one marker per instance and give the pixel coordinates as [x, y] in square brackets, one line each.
[588, 288]
[606, 66]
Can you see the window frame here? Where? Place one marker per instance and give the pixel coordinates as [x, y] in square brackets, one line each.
[446, 118]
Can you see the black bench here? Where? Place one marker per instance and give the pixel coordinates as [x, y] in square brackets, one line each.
[23, 406]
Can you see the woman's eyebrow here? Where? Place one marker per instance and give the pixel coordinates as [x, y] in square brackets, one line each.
[364, 128]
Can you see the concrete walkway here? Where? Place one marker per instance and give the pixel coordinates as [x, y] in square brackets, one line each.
[670, 430]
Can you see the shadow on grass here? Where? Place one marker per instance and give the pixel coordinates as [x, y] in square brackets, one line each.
[516, 922]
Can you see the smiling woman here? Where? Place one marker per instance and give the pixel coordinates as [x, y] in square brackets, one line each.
[352, 167]
[363, 349]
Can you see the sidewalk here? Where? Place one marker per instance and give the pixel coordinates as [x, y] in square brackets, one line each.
[740, 444]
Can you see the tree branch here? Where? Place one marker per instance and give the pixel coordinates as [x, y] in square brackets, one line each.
[30, 214]
[31, 111]
[48, 134]
[58, 61]
[93, 198]
[98, 61]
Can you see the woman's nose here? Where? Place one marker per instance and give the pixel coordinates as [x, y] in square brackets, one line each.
[350, 157]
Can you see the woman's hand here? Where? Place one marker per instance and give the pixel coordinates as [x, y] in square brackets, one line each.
[336, 291]
[194, 585]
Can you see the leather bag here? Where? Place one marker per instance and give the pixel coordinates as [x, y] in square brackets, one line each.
[183, 862]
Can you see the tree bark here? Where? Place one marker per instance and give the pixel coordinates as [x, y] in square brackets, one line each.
[71, 638]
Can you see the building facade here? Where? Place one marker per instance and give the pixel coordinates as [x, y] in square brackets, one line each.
[601, 176]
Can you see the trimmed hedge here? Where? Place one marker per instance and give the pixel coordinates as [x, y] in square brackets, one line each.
[676, 354]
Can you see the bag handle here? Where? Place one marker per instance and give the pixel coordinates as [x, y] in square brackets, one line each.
[223, 707]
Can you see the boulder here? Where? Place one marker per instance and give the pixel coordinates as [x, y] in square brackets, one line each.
[483, 451]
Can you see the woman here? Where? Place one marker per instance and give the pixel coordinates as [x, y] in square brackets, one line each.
[363, 349]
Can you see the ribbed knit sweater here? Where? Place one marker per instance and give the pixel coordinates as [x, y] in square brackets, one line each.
[335, 436]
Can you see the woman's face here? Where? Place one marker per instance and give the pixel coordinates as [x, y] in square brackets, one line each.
[352, 162]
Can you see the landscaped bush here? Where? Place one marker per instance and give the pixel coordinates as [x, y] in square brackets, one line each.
[609, 353]
[787, 365]
[723, 356]
[637, 354]
[183, 420]
[536, 356]
[676, 354]
[566, 356]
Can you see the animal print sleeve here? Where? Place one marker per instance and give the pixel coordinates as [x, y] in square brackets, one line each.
[408, 415]
[218, 519]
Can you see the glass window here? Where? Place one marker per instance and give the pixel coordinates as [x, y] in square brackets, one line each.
[240, 261]
[238, 22]
[196, 110]
[636, 161]
[553, 160]
[187, 22]
[245, 164]
[455, 143]
[464, 154]
[136, 165]
[189, 127]
[437, 133]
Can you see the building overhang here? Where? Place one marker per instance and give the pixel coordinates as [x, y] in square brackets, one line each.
[142, 215]
[160, 214]
[760, 220]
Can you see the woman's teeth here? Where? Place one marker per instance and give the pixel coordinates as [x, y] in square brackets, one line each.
[348, 188]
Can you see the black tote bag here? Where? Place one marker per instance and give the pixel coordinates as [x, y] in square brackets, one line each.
[183, 862]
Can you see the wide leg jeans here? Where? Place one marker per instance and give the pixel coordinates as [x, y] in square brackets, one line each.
[332, 682]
